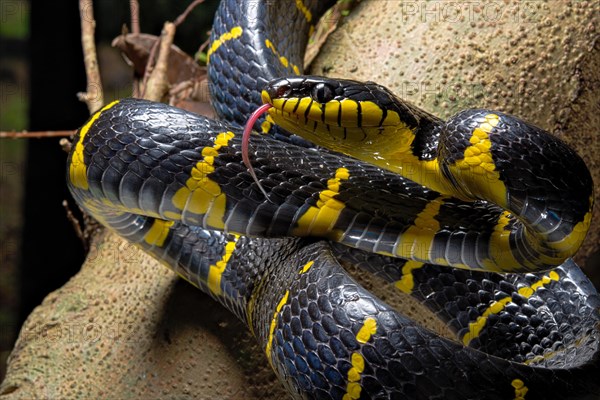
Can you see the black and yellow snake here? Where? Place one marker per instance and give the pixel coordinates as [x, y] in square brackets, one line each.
[500, 195]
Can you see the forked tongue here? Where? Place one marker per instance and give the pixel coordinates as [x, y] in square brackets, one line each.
[246, 143]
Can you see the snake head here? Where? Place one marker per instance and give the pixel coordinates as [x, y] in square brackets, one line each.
[341, 113]
[319, 89]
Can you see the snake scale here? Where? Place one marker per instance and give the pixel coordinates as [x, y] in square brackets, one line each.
[174, 183]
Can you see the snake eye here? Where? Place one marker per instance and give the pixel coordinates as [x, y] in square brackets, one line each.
[322, 93]
[283, 91]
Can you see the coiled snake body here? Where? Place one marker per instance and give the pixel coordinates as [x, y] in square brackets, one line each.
[175, 184]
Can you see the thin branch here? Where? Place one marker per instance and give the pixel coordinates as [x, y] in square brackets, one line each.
[149, 65]
[79, 231]
[35, 135]
[65, 145]
[179, 20]
[134, 7]
[93, 96]
[180, 87]
[158, 83]
[167, 33]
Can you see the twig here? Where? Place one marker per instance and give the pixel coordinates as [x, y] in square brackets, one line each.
[134, 7]
[35, 135]
[158, 84]
[149, 65]
[76, 227]
[179, 20]
[206, 42]
[152, 56]
[65, 145]
[93, 96]
[180, 87]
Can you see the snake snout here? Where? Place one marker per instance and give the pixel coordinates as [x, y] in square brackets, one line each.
[277, 89]
[320, 89]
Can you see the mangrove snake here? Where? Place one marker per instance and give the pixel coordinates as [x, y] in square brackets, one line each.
[504, 197]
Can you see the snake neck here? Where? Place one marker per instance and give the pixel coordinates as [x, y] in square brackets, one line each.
[413, 152]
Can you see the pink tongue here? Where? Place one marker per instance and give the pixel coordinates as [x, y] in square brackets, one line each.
[246, 143]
